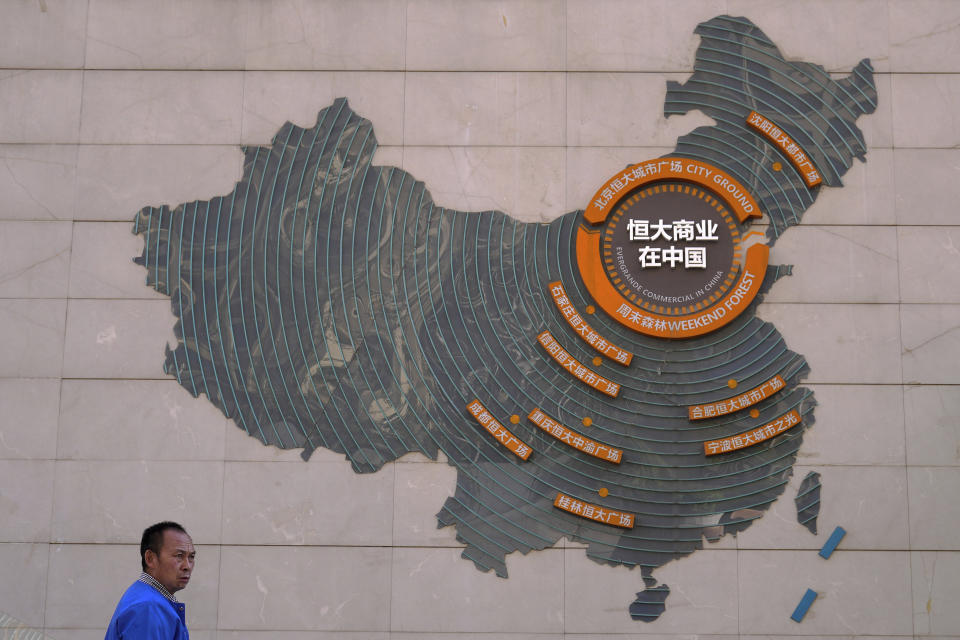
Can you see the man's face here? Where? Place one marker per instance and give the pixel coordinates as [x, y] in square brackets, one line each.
[174, 564]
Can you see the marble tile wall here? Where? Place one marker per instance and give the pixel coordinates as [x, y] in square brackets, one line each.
[107, 106]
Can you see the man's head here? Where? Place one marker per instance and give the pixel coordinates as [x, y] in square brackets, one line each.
[167, 554]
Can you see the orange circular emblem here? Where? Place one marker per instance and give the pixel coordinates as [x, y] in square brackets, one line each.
[661, 250]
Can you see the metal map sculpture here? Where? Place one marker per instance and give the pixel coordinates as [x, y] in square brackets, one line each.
[328, 302]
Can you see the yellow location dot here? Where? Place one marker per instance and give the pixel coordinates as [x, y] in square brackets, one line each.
[597, 361]
[590, 309]
[754, 413]
[515, 419]
[777, 166]
[587, 422]
[603, 492]
[732, 383]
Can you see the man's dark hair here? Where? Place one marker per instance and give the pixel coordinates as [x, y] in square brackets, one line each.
[153, 539]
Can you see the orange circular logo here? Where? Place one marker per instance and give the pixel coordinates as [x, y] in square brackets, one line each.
[661, 250]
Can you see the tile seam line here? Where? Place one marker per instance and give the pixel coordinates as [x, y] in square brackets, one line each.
[810, 226]
[424, 70]
[819, 225]
[458, 145]
[564, 168]
[398, 70]
[805, 383]
[805, 464]
[765, 302]
[237, 142]
[404, 24]
[66, 312]
[552, 549]
[902, 345]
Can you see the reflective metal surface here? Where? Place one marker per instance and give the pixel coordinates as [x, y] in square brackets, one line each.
[327, 302]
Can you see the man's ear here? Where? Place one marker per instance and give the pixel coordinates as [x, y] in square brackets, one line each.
[151, 559]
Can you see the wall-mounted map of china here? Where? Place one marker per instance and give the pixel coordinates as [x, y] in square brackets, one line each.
[602, 377]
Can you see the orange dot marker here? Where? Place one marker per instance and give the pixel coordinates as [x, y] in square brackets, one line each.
[754, 413]
[515, 419]
[732, 383]
[597, 361]
[777, 166]
[587, 422]
[603, 492]
[590, 309]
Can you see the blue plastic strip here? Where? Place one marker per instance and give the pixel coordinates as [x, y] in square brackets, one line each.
[832, 542]
[805, 602]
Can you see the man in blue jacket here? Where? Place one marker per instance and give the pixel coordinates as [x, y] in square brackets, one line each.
[148, 609]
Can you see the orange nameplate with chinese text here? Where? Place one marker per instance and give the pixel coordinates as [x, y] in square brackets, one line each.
[593, 511]
[753, 436]
[584, 330]
[738, 402]
[799, 159]
[574, 439]
[573, 366]
[497, 430]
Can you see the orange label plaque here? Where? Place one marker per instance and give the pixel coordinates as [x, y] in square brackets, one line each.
[799, 159]
[497, 430]
[736, 403]
[573, 366]
[593, 511]
[584, 330]
[687, 169]
[574, 439]
[752, 437]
